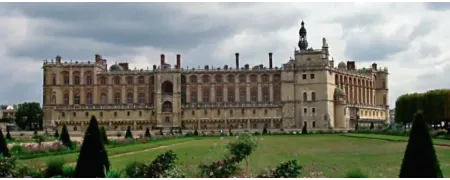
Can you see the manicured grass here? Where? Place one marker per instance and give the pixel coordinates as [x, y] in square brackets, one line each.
[334, 155]
[442, 142]
[72, 157]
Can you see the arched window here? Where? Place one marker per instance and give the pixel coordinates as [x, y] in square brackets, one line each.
[54, 79]
[230, 95]
[254, 94]
[313, 96]
[219, 78]
[193, 79]
[167, 106]
[89, 98]
[86, 114]
[205, 94]
[77, 80]
[117, 98]
[89, 80]
[305, 96]
[103, 80]
[129, 80]
[142, 98]
[205, 79]
[219, 97]
[230, 78]
[242, 94]
[253, 78]
[167, 119]
[130, 98]
[76, 99]
[242, 78]
[116, 80]
[276, 78]
[194, 96]
[265, 94]
[167, 88]
[141, 80]
[66, 99]
[103, 98]
[66, 79]
[53, 99]
[276, 93]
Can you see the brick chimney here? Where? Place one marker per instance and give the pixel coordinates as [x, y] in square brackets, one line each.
[270, 60]
[179, 61]
[163, 59]
[58, 59]
[374, 66]
[237, 60]
[154, 66]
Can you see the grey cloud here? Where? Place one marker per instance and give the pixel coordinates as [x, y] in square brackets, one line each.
[429, 50]
[437, 6]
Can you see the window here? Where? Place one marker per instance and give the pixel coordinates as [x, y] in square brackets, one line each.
[254, 111]
[218, 78]
[103, 98]
[383, 84]
[276, 94]
[140, 113]
[313, 110]
[128, 113]
[142, 98]
[117, 98]
[242, 78]
[314, 124]
[312, 76]
[230, 78]
[167, 106]
[102, 80]
[205, 79]
[218, 112]
[63, 114]
[77, 80]
[242, 94]
[167, 119]
[89, 98]
[101, 114]
[305, 96]
[230, 94]
[205, 112]
[193, 112]
[66, 79]
[75, 128]
[53, 99]
[313, 96]
[265, 111]
[129, 80]
[193, 79]
[54, 79]
[384, 99]
[219, 97]
[305, 111]
[303, 76]
[86, 114]
[253, 78]
[89, 81]
[141, 80]
[76, 99]
[265, 94]
[254, 95]
[265, 78]
[115, 114]
[242, 111]
[117, 80]
[74, 114]
[193, 97]
[130, 98]
[205, 94]
[231, 112]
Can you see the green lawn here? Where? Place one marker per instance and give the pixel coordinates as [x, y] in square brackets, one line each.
[333, 155]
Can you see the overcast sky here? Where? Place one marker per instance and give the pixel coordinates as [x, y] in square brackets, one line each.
[408, 38]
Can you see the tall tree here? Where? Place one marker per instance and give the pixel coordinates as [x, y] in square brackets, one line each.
[3, 146]
[29, 114]
[8, 135]
[56, 134]
[65, 137]
[420, 159]
[104, 135]
[147, 133]
[93, 159]
[128, 134]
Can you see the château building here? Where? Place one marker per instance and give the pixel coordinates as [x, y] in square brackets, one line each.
[308, 90]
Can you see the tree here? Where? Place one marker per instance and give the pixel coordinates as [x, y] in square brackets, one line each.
[65, 137]
[29, 113]
[104, 136]
[56, 134]
[304, 130]
[179, 131]
[372, 126]
[93, 159]
[3, 146]
[195, 132]
[171, 131]
[8, 135]
[161, 132]
[147, 133]
[420, 159]
[264, 132]
[128, 133]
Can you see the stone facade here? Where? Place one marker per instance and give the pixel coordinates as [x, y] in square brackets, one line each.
[307, 90]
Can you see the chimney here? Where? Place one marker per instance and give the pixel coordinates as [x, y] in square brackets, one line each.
[206, 67]
[58, 59]
[261, 66]
[247, 66]
[349, 67]
[270, 60]
[178, 61]
[163, 59]
[237, 60]
[154, 66]
[225, 67]
[124, 66]
[374, 66]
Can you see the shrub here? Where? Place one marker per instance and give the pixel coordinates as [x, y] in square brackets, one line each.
[161, 132]
[128, 134]
[3, 146]
[174, 173]
[225, 168]
[56, 134]
[93, 159]
[290, 169]
[104, 136]
[114, 174]
[257, 133]
[65, 137]
[10, 169]
[147, 133]
[118, 134]
[420, 159]
[159, 166]
[357, 173]
[35, 174]
[8, 135]
[264, 132]
[372, 125]
[195, 132]
[304, 130]
[54, 168]
[131, 169]
[179, 131]
[68, 171]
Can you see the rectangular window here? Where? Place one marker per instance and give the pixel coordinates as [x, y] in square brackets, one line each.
[312, 76]
[304, 76]
[313, 110]
[305, 111]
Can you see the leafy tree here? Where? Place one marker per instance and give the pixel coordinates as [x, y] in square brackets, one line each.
[93, 159]
[33, 113]
[56, 134]
[3, 146]
[420, 159]
[65, 137]
[372, 125]
[8, 135]
[128, 133]
[147, 133]
[104, 136]
[304, 130]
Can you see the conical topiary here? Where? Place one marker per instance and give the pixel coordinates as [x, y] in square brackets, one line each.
[147, 133]
[195, 132]
[65, 137]
[56, 134]
[93, 159]
[372, 125]
[264, 132]
[128, 134]
[420, 159]
[304, 130]
[8, 135]
[3, 146]
[104, 136]
[179, 131]
[161, 132]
